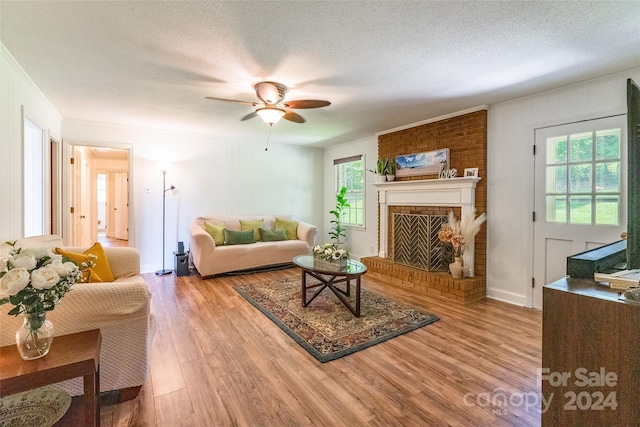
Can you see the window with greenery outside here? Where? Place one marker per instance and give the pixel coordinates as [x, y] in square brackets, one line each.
[350, 174]
[583, 178]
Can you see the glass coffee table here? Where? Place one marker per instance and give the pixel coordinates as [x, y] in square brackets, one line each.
[330, 275]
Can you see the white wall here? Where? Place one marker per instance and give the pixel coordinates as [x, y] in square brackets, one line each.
[510, 164]
[211, 175]
[18, 91]
[360, 241]
[510, 175]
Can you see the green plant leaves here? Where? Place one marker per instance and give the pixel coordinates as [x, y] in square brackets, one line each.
[341, 204]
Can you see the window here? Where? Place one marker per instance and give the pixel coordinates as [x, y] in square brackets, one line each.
[583, 177]
[34, 179]
[350, 174]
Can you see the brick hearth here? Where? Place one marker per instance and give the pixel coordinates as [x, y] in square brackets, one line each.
[441, 285]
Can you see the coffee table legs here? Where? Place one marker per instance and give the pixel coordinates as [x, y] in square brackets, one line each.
[324, 283]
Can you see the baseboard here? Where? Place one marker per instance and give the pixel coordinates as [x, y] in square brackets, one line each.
[506, 296]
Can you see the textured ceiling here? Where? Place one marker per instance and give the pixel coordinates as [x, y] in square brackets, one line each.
[381, 64]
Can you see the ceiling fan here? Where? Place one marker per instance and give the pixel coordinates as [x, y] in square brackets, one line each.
[272, 106]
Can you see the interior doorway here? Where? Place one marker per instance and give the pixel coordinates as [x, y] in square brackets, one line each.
[100, 194]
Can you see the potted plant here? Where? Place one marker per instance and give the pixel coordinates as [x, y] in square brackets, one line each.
[381, 168]
[332, 252]
[337, 232]
[390, 169]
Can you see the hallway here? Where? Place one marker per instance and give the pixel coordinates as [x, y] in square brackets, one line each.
[110, 241]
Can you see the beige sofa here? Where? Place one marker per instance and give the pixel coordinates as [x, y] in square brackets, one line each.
[210, 259]
[120, 309]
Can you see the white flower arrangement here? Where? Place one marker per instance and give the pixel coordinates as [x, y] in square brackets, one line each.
[34, 280]
[330, 252]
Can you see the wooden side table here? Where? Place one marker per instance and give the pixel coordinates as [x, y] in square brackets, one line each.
[71, 356]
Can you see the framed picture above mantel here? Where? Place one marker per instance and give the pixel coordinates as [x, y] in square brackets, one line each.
[427, 163]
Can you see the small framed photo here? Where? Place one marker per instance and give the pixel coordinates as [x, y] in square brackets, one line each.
[471, 172]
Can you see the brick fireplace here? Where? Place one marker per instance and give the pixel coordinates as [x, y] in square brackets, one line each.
[465, 136]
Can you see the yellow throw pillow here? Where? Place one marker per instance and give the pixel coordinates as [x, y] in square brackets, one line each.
[101, 272]
[216, 231]
[254, 225]
[291, 227]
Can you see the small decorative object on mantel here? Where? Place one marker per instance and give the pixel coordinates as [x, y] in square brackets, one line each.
[34, 280]
[390, 170]
[381, 170]
[471, 172]
[458, 233]
[448, 173]
[428, 163]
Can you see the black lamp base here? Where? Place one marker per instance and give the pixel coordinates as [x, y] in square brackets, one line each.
[163, 272]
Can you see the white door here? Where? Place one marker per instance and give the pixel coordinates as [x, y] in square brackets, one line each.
[79, 197]
[580, 193]
[122, 205]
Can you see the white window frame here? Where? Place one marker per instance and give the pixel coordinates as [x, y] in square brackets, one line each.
[593, 194]
[35, 179]
[350, 194]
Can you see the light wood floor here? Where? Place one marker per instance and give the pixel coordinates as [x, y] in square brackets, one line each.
[217, 361]
[111, 241]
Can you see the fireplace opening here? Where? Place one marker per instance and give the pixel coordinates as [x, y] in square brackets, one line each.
[416, 244]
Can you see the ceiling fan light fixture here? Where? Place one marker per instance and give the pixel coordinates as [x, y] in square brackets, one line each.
[270, 115]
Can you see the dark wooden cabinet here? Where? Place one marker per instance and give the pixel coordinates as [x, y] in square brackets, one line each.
[590, 356]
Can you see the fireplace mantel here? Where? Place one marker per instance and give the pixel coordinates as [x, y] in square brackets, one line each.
[451, 192]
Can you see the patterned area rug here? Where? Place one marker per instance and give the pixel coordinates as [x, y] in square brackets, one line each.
[326, 328]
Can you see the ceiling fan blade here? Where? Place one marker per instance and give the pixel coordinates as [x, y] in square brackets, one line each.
[307, 103]
[249, 116]
[293, 117]
[232, 100]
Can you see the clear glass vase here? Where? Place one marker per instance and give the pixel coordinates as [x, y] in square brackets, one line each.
[34, 336]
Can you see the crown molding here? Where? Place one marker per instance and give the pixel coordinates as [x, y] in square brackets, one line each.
[435, 119]
[11, 60]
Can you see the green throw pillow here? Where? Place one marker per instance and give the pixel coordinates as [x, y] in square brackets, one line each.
[291, 227]
[273, 235]
[252, 225]
[216, 231]
[238, 237]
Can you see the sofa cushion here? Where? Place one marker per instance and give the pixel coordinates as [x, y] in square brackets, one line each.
[291, 227]
[216, 231]
[273, 235]
[246, 225]
[238, 237]
[101, 272]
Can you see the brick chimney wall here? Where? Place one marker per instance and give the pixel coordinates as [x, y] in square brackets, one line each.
[466, 138]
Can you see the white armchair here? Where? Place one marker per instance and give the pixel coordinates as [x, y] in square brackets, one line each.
[120, 309]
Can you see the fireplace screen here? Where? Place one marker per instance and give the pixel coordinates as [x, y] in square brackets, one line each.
[416, 243]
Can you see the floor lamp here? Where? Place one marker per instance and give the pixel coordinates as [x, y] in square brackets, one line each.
[164, 204]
